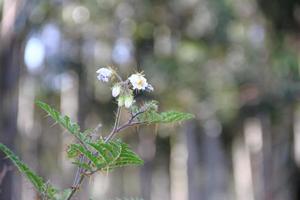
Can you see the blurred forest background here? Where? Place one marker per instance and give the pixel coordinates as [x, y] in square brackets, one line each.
[235, 64]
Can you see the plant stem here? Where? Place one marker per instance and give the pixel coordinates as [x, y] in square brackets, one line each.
[119, 77]
[79, 175]
[76, 179]
[113, 132]
[76, 187]
[126, 125]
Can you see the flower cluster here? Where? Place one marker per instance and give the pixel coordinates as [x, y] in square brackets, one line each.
[123, 90]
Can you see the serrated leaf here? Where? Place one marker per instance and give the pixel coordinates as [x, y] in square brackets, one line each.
[174, 116]
[40, 185]
[117, 154]
[131, 198]
[106, 156]
[150, 117]
[83, 165]
[72, 152]
[64, 121]
[88, 154]
[165, 117]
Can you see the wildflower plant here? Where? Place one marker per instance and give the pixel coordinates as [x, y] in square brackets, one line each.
[104, 153]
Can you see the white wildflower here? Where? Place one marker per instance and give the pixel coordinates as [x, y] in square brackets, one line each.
[104, 74]
[138, 81]
[116, 89]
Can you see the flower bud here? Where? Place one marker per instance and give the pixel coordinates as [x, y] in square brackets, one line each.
[121, 101]
[128, 101]
[116, 89]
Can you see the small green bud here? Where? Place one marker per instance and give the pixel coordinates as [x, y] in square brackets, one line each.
[121, 101]
[128, 101]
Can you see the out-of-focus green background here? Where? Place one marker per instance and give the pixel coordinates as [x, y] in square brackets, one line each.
[232, 63]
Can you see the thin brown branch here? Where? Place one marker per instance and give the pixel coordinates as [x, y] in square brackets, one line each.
[76, 187]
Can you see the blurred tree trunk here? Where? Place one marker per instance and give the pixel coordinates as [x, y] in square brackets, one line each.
[193, 139]
[9, 74]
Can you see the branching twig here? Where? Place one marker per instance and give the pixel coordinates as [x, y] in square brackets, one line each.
[125, 125]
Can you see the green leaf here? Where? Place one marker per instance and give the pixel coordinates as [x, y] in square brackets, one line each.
[116, 154]
[174, 116]
[83, 165]
[64, 121]
[104, 156]
[126, 157]
[41, 186]
[106, 152]
[88, 154]
[165, 117]
[131, 198]
[150, 117]
[72, 152]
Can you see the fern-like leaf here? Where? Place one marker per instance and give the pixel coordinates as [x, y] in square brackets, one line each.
[40, 185]
[105, 156]
[130, 198]
[174, 116]
[64, 121]
[126, 157]
[165, 117]
[95, 161]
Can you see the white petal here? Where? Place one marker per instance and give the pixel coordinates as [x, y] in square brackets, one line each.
[116, 90]
[104, 71]
[138, 81]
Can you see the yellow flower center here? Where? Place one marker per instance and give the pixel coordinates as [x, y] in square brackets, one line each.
[140, 83]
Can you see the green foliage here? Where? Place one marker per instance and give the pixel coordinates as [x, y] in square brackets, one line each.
[124, 198]
[41, 186]
[148, 114]
[130, 198]
[64, 121]
[165, 117]
[118, 156]
[104, 156]
[174, 116]
[93, 156]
